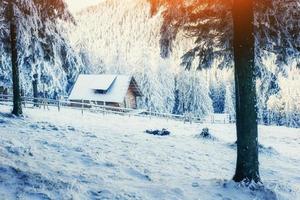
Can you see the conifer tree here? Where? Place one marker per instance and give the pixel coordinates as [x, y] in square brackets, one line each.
[247, 167]
[38, 44]
[226, 35]
[17, 101]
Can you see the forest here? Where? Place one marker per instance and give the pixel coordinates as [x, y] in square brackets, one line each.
[179, 68]
[183, 60]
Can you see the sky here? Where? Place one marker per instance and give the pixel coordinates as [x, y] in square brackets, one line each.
[77, 5]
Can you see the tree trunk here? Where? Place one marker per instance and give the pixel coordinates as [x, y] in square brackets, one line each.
[35, 90]
[176, 95]
[247, 167]
[17, 101]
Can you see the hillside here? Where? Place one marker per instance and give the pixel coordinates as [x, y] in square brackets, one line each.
[177, 138]
[122, 37]
[64, 155]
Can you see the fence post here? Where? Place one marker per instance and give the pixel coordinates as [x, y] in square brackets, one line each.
[23, 100]
[47, 104]
[58, 105]
[81, 106]
[44, 103]
[44, 96]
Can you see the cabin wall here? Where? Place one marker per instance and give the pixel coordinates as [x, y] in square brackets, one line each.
[130, 99]
[78, 103]
[112, 104]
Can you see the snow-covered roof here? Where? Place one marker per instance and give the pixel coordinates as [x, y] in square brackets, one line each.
[114, 88]
[98, 82]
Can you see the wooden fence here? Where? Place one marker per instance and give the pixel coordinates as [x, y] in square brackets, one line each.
[92, 107]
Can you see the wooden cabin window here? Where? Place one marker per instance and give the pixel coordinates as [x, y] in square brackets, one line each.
[100, 91]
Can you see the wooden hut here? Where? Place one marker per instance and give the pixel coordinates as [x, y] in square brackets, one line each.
[110, 90]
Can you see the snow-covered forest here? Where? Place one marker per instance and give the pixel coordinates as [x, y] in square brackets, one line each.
[43, 44]
[128, 43]
[150, 99]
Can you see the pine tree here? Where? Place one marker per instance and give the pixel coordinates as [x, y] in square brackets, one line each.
[211, 22]
[44, 52]
[247, 167]
[17, 101]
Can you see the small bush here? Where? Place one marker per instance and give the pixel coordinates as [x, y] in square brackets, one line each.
[163, 132]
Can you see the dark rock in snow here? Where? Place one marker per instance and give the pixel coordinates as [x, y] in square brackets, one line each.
[195, 184]
[205, 134]
[163, 132]
[90, 135]
[53, 127]
[70, 128]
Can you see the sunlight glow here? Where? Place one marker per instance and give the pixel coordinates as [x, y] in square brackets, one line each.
[77, 5]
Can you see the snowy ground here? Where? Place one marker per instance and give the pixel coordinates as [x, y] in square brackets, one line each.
[64, 155]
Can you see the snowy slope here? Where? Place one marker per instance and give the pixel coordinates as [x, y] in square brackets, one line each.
[51, 155]
[122, 37]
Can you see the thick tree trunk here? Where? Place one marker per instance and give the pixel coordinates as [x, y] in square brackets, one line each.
[247, 167]
[17, 101]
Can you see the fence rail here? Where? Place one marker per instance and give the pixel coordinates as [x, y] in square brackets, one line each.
[104, 109]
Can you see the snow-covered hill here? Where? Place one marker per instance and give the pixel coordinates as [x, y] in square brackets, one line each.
[64, 155]
[122, 37]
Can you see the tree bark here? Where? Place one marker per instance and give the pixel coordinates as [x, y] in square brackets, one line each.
[247, 166]
[35, 90]
[17, 101]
